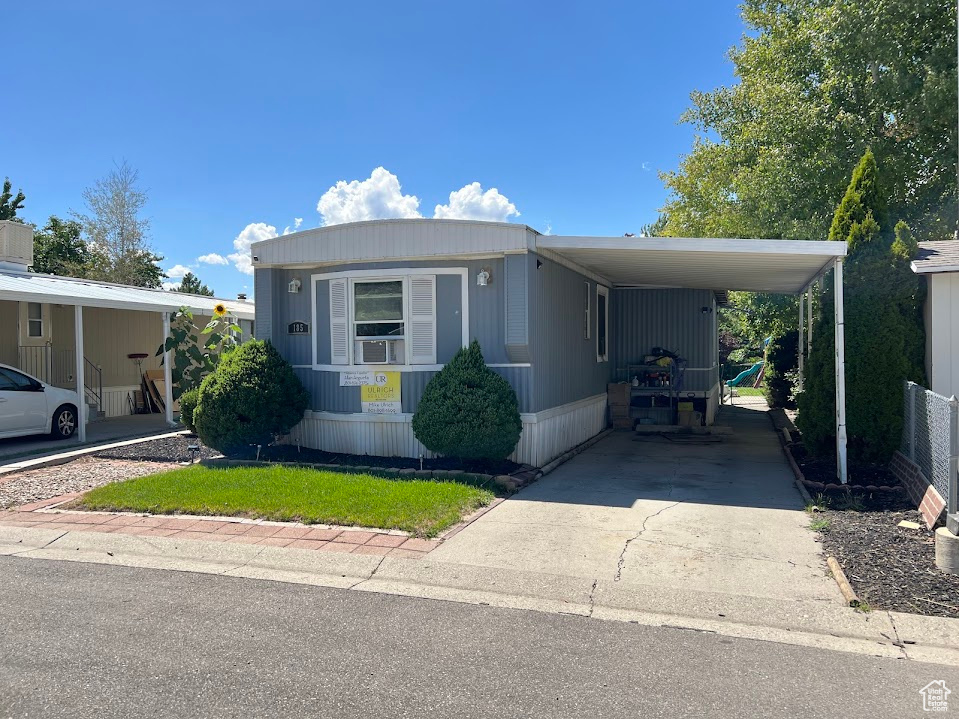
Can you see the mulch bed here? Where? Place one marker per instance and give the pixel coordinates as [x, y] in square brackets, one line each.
[176, 449]
[891, 567]
[290, 453]
[873, 486]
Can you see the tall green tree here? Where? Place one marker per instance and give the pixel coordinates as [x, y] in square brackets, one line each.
[10, 203]
[819, 81]
[117, 230]
[59, 249]
[191, 285]
[883, 329]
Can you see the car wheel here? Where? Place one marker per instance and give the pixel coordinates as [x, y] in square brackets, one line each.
[64, 423]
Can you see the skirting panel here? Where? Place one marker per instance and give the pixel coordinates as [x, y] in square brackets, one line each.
[545, 434]
[115, 402]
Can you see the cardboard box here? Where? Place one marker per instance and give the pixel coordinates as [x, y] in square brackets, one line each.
[617, 394]
[623, 423]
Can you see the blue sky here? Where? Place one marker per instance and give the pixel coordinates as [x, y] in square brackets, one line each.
[240, 117]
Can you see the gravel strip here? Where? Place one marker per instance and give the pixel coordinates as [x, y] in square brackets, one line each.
[167, 449]
[891, 567]
[76, 476]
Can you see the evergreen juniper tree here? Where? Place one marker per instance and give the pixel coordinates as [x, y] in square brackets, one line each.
[883, 328]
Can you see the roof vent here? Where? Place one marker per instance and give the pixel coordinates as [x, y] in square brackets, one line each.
[16, 246]
[241, 296]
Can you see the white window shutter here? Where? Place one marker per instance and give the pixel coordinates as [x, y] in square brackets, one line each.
[339, 323]
[422, 322]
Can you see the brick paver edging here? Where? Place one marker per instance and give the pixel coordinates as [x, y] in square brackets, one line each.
[346, 540]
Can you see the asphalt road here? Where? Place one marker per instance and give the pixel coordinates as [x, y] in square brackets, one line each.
[85, 640]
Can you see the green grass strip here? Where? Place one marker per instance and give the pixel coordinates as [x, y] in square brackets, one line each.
[281, 493]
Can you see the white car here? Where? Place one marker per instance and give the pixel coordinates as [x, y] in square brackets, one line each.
[29, 406]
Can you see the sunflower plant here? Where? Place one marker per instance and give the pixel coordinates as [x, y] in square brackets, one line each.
[197, 351]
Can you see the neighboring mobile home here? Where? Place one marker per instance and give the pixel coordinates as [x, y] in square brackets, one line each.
[43, 318]
[938, 263]
[386, 303]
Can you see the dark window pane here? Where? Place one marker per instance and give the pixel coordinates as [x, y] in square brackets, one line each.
[379, 329]
[378, 301]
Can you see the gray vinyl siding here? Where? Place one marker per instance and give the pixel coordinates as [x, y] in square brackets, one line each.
[669, 318]
[564, 362]
[327, 395]
[264, 290]
[292, 307]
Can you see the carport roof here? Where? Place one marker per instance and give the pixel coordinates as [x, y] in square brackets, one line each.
[34, 287]
[779, 266]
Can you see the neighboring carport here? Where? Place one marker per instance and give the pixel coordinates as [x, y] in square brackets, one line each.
[772, 266]
[18, 286]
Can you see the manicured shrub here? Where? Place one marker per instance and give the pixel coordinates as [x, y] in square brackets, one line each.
[883, 326]
[468, 411]
[188, 401]
[252, 398]
[782, 358]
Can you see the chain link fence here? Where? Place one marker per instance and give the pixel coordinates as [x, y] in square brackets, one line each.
[930, 437]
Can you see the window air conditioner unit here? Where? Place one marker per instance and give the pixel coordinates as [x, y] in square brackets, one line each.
[379, 352]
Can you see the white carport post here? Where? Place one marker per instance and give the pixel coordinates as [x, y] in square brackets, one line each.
[799, 344]
[841, 469]
[811, 289]
[82, 409]
[167, 371]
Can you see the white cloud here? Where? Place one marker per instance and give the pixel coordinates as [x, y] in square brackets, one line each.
[297, 221]
[213, 259]
[377, 197]
[169, 286]
[254, 232]
[177, 271]
[471, 203]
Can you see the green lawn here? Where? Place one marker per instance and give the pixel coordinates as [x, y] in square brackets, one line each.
[749, 391]
[284, 493]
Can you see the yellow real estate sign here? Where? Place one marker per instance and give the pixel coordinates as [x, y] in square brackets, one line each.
[382, 396]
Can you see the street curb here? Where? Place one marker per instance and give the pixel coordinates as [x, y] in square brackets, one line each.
[797, 623]
[26, 464]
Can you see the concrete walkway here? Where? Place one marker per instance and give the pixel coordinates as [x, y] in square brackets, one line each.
[100, 432]
[697, 516]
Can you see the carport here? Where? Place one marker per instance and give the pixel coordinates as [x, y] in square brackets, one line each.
[773, 266]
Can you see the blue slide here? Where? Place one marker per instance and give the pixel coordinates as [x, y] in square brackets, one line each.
[747, 374]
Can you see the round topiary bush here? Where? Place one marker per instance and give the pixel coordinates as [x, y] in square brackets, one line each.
[252, 398]
[468, 411]
[188, 402]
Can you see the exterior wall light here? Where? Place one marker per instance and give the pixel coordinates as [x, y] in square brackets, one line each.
[294, 286]
[706, 310]
[484, 277]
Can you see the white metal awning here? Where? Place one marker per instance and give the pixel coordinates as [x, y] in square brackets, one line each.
[779, 266]
[32, 287]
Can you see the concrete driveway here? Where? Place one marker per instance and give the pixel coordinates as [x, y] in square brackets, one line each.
[702, 516]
